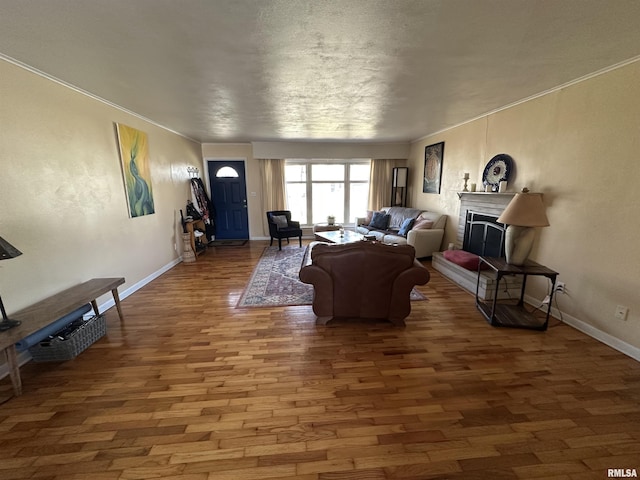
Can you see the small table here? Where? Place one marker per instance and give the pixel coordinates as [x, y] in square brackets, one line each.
[47, 311]
[509, 315]
[347, 236]
[325, 227]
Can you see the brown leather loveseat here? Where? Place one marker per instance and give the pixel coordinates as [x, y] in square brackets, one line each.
[363, 280]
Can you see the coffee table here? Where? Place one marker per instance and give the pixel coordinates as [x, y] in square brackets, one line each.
[347, 236]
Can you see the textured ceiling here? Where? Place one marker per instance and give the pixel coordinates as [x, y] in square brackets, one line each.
[339, 70]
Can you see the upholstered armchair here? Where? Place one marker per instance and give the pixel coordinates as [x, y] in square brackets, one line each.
[281, 226]
[362, 280]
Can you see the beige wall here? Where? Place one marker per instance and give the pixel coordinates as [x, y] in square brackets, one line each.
[579, 146]
[62, 194]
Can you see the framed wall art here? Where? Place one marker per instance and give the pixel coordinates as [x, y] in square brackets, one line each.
[134, 155]
[433, 155]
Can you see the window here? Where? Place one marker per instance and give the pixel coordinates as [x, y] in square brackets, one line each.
[319, 188]
[227, 172]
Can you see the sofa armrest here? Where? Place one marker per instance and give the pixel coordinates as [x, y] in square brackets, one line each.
[323, 289]
[293, 223]
[425, 241]
[400, 306]
[360, 220]
[417, 274]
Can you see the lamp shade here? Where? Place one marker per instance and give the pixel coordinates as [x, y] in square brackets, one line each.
[400, 176]
[7, 250]
[525, 210]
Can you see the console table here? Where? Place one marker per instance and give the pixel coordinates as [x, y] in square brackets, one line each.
[47, 311]
[501, 314]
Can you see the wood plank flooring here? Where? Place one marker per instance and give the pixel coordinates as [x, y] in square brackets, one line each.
[192, 388]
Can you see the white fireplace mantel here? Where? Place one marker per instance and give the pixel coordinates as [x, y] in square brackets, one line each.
[492, 194]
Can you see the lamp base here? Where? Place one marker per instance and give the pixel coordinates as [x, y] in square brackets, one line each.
[518, 243]
[7, 323]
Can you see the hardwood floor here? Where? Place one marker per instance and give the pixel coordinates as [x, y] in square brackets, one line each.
[192, 388]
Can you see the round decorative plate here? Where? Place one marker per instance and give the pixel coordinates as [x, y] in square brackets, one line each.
[497, 170]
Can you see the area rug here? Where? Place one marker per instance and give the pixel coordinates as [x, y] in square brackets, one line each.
[274, 282]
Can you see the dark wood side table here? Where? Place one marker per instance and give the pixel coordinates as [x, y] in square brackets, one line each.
[510, 315]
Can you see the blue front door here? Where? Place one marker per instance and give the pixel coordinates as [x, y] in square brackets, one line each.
[229, 197]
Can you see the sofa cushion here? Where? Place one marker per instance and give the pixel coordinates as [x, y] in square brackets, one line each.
[378, 234]
[406, 226]
[394, 239]
[380, 220]
[400, 214]
[465, 259]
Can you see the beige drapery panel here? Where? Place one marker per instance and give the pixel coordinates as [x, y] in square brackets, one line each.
[273, 187]
[380, 182]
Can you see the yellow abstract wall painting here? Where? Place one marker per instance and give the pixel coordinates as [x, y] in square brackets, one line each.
[134, 154]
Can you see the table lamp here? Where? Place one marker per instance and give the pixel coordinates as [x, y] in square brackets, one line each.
[7, 251]
[522, 215]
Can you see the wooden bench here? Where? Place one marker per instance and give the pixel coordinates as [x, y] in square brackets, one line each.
[47, 311]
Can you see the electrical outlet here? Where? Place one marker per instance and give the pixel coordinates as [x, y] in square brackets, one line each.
[621, 312]
[560, 287]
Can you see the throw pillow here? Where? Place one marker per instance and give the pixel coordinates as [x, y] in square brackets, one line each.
[280, 221]
[422, 224]
[368, 218]
[380, 220]
[465, 259]
[406, 226]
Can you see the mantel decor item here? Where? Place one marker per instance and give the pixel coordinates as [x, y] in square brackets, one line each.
[433, 156]
[7, 251]
[466, 179]
[497, 170]
[522, 215]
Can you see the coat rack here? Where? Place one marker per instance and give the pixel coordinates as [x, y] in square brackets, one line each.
[194, 172]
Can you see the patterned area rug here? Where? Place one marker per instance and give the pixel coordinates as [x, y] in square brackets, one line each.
[274, 282]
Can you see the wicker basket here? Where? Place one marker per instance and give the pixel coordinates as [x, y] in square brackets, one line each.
[59, 350]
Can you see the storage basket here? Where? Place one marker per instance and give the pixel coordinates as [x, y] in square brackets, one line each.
[58, 350]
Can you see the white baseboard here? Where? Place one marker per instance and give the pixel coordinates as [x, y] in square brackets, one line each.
[138, 285]
[25, 356]
[590, 330]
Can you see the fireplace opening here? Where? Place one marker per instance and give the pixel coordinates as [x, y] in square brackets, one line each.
[483, 234]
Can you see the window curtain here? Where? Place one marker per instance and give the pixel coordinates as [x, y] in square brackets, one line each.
[273, 187]
[380, 182]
